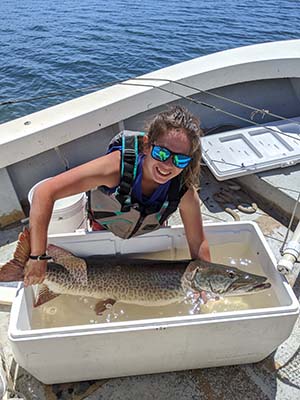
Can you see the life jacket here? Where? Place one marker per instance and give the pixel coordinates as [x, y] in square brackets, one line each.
[116, 212]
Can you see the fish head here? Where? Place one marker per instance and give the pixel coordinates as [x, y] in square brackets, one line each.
[225, 280]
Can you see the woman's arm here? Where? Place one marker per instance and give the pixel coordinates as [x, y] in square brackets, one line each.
[102, 171]
[190, 211]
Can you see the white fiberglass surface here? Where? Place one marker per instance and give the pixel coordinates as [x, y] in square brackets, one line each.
[68, 310]
[252, 149]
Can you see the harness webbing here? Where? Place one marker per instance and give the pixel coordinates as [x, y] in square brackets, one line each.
[128, 170]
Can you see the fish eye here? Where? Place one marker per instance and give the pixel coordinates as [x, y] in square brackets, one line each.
[231, 275]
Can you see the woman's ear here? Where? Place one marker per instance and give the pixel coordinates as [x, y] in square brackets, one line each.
[146, 144]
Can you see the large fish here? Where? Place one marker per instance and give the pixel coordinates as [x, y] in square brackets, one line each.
[144, 282]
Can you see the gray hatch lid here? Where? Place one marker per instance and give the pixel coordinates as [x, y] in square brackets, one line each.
[252, 149]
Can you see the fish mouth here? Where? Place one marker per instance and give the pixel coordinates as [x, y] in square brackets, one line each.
[249, 288]
[249, 285]
[260, 286]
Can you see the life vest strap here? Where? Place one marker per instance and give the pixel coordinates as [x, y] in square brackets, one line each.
[128, 170]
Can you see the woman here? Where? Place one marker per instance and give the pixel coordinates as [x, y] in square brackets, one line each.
[137, 190]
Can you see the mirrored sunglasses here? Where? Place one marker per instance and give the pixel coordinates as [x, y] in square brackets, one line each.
[163, 154]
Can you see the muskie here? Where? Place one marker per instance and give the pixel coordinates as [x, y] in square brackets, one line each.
[144, 282]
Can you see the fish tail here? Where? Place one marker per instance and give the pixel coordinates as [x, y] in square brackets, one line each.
[13, 270]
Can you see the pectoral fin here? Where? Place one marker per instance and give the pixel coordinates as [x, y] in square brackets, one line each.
[44, 295]
[101, 305]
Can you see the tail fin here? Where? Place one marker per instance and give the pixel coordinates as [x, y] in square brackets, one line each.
[13, 270]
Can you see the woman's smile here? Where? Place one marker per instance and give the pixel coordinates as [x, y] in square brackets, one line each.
[162, 172]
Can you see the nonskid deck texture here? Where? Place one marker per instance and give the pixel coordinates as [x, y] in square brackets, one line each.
[278, 376]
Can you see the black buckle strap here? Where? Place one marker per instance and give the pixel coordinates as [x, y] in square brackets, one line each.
[129, 157]
[40, 257]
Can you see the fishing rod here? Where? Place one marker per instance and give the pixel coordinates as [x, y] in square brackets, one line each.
[188, 98]
[255, 110]
[217, 109]
[198, 90]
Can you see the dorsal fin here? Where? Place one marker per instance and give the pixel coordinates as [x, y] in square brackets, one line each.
[74, 265]
[57, 252]
[22, 251]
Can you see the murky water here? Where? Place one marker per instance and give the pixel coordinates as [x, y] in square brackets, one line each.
[68, 310]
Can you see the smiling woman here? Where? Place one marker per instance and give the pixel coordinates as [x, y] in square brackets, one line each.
[136, 189]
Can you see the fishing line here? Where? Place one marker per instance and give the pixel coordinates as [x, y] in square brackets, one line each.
[290, 224]
[53, 94]
[217, 109]
[88, 88]
[257, 110]
[204, 104]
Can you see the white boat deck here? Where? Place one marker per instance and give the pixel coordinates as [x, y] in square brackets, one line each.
[275, 192]
[278, 376]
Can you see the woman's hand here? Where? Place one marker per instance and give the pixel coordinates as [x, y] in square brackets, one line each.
[35, 272]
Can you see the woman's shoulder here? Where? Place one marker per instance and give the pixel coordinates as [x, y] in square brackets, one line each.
[111, 162]
[104, 170]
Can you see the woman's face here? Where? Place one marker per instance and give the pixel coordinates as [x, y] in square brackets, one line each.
[175, 140]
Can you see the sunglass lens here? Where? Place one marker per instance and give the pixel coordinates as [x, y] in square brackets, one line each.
[181, 161]
[160, 153]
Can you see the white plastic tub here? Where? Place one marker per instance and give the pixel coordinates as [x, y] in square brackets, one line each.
[114, 349]
[69, 213]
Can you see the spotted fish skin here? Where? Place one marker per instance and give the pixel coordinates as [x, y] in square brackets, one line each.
[144, 282]
[128, 280]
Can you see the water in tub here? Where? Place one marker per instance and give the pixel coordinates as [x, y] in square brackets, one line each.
[67, 310]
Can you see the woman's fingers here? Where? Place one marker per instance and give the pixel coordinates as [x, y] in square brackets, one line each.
[35, 272]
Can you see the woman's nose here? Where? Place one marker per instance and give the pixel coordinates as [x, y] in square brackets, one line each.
[169, 162]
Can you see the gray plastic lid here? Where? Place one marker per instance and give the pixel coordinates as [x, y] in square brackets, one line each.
[253, 149]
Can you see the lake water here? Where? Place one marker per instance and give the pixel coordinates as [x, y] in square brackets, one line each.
[49, 47]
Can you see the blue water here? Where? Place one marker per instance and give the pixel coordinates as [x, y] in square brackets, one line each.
[51, 46]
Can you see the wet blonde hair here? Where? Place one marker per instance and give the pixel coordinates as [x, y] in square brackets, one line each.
[180, 117]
